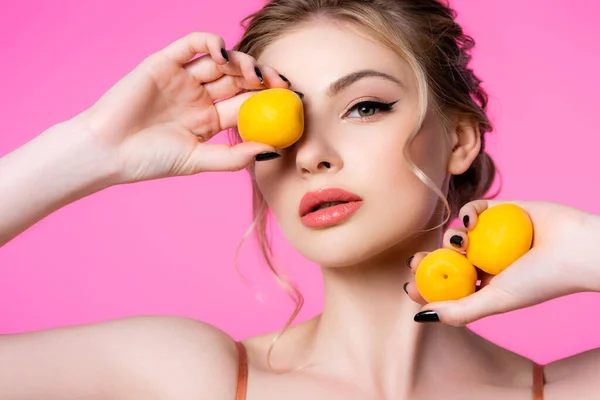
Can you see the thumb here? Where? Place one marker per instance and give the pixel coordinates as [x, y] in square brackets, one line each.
[530, 280]
[222, 157]
[488, 301]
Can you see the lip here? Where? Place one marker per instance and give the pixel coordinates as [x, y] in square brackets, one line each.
[331, 215]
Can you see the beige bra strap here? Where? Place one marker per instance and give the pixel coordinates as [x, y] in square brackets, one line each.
[242, 377]
[538, 382]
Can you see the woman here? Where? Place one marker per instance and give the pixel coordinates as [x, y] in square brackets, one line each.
[395, 124]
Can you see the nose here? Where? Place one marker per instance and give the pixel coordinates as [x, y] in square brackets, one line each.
[315, 155]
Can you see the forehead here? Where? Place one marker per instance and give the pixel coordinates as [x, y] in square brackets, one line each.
[317, 53]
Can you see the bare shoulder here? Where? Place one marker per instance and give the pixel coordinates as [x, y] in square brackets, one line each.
[175, 357]
[574, 377]
[130, 358]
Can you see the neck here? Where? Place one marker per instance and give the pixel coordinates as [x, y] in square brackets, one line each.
[367, 315]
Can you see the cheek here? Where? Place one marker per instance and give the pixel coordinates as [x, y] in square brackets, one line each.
[382, 159]
[399, 194]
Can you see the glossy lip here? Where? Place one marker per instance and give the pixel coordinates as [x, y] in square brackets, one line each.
[325, 195]
[331, 215]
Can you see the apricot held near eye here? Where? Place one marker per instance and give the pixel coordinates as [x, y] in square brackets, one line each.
[272, 116]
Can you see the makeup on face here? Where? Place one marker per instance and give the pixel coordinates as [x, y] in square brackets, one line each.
[328, 206]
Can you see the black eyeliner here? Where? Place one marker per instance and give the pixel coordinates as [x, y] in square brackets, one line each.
[379, 105]
[375, 104]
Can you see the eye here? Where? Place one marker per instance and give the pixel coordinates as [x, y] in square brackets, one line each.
[367, 109]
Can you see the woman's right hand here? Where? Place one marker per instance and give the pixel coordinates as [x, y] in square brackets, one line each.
[155, 120]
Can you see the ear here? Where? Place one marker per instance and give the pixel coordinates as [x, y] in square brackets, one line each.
[465, 139]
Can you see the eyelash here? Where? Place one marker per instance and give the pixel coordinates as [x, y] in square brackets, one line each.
[370, 104]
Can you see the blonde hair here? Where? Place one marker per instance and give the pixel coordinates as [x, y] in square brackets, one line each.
[426, 35]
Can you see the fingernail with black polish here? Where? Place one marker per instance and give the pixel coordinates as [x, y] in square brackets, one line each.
[224, 54]
[466, 221]
[285, 79]
[409, 260]
[259, 74]
[456, 241]
[266, 156]
[404, 287]
[427, 316]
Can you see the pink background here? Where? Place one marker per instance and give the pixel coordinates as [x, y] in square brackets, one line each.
[166, 247]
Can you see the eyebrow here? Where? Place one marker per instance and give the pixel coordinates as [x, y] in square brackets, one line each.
[349, 79]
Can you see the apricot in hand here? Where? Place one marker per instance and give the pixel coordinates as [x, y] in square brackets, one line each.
[445, 274]
[272, 116]
[502, 234]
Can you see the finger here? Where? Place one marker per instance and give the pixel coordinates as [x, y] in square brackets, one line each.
[273, 78]
[456, 239]
[488, 301]
[222, 157]
[228, 86]
[207, 69]
[204, 69]
[414, 261]
[520, 285]
[226, 118]
[469, 212]
[184, 49]
[410, 288]
[228, 110]
[245, 66]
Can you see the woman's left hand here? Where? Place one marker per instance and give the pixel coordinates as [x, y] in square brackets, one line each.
[564, 259]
